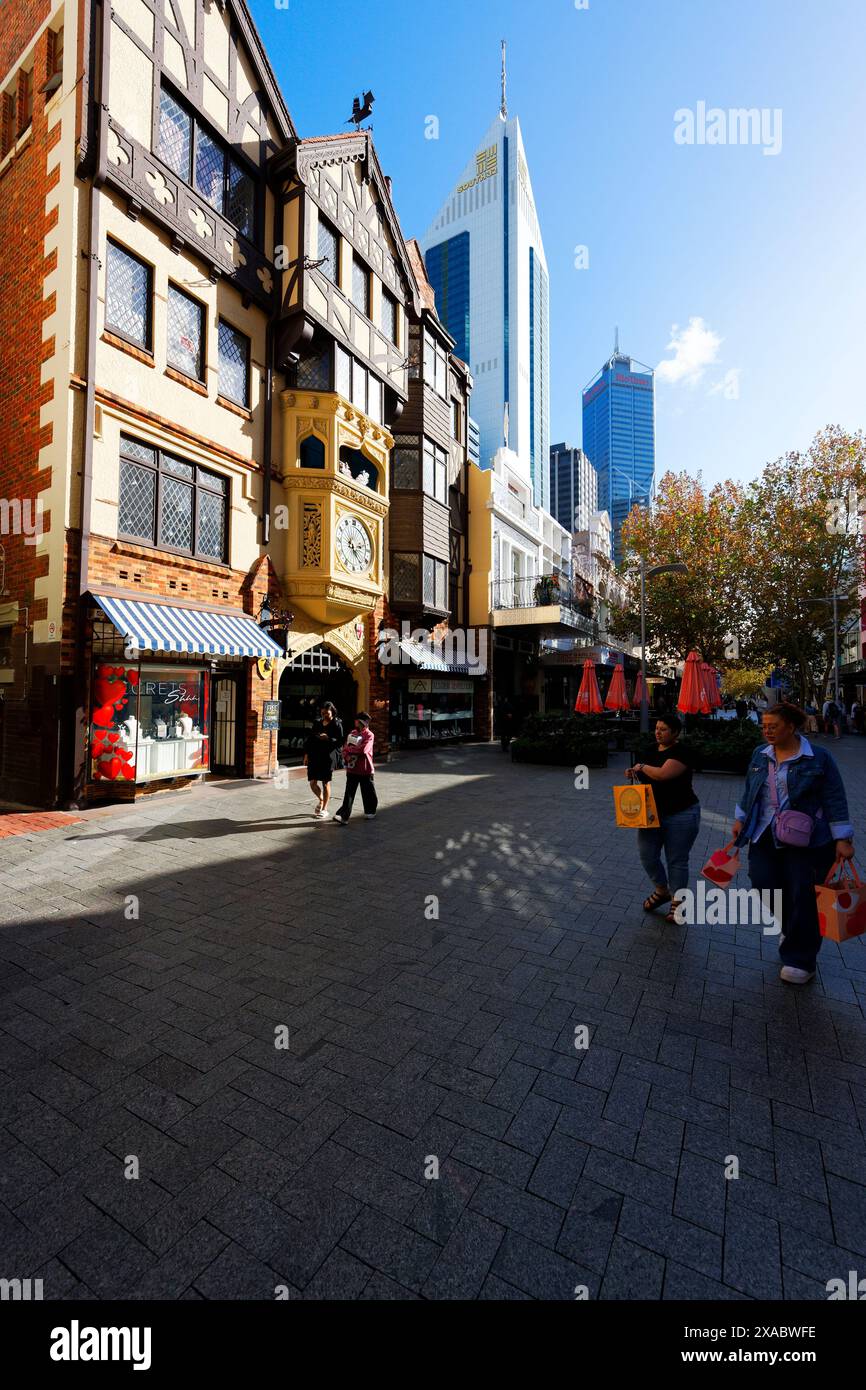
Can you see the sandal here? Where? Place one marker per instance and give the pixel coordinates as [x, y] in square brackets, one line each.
[671, 915]
[656, 899]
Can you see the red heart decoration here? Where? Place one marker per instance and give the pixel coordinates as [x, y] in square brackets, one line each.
[98, 748]
[125, 753]
[103, 717]
[112, 767]
[128, 773]
[113, 738]
[132, 678]
[107, 692]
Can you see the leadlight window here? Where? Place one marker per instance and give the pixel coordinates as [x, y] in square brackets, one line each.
[405, 577]
[389, 316]
[435, 583]
[170, 503]
[128, 296]
[200, 159]
[234, 364]
[314, 372]
[360, 285]
[406, 465]
[343, 373]
[185, 344]
[328, 251]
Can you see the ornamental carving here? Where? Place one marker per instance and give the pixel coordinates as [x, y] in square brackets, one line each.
[311, 536]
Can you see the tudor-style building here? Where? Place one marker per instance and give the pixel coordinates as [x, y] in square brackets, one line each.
[205, 353]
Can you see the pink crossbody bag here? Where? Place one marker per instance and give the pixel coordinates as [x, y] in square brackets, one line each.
[792, 828]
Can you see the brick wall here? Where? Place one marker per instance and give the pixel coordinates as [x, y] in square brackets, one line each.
[30, 706]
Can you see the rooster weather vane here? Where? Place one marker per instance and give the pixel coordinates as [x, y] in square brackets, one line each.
[361, 113]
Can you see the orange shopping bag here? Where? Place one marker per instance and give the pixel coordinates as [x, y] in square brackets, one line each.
[722, 866]
[842, 903]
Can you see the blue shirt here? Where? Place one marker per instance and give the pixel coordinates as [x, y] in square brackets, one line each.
[840, 830]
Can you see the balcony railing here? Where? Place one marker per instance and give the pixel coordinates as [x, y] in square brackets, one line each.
[545, 591]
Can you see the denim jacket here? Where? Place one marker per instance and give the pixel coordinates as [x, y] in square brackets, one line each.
[814, 786]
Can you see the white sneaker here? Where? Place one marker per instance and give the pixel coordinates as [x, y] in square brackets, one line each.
[792, 976]
[323, 815]
[369, 815]
[338, 819]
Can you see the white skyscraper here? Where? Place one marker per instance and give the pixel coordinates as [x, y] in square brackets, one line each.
[485, 260]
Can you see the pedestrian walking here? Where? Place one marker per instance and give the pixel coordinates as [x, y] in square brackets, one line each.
[856, 717]
[360, 772]
[832, 718]
[811, 712]
[668, 769]
[320, 752]
[794, 815]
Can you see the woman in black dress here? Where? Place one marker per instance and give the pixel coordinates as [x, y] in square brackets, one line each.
[323, 740]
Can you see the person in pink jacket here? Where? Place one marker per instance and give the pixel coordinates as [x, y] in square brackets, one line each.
[360, 772]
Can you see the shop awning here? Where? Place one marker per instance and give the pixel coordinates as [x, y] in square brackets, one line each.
[161, 627]
[426, 658]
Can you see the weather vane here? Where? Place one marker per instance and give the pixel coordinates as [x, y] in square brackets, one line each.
[361, 113]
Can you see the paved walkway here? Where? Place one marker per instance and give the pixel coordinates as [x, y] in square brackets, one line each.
[158, 1141]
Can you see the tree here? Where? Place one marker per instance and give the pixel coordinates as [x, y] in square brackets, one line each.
[702, 609]
[743, 682]
[803, 518]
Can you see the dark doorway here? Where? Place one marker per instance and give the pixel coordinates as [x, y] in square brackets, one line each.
[312, 678]
[226, 724]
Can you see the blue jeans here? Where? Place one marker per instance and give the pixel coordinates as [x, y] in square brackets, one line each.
[796, 872]
[675, 836]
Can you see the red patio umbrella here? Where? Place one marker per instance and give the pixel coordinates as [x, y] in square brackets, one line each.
[693, 695]
[637, 697]
[588, 696]
[617, 697]
[711, 685]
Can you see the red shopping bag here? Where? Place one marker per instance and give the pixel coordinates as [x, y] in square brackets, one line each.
[842, 902]
[722, 866]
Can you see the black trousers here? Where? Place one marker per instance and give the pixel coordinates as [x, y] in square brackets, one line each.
[368, 794]
[795, 872]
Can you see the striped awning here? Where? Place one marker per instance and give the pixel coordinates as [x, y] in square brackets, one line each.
[161, 627]
[427, 658]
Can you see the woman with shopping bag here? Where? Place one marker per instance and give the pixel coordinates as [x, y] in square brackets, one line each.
[668, 769]
[794, 815]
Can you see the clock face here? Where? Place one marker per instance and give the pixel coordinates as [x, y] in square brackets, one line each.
[354, 546]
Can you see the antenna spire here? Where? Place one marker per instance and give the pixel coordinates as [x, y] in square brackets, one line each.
[616, 341]
[503, 109]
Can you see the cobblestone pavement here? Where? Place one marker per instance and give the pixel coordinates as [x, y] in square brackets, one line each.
[148, 959]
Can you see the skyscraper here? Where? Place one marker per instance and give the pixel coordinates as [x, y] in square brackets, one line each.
[573, 487]
[619, 437]
[485, 260]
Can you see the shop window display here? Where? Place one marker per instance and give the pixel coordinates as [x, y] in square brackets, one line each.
[148, 723]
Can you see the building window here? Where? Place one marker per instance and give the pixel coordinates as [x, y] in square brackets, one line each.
[185, 345]
[234, 364]
[435, 583]
[360, 285]
[389, 316]
[359, 386]
[170, 503]
[199, 158]
[328, 251]
[455, 420]
[405, 577]
[435, 365]
[374, 399]
[25, 101]
[312, 452]
[314, 372]
[435, 471]
[343, 373]
[128, 296]
[406, 465]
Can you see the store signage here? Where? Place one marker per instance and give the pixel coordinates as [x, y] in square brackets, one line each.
[271, 714]
[169, 691]
[453, 687]
[419, 686]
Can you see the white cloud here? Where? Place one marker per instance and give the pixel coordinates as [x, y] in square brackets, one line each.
[694, 349]
[729, 385]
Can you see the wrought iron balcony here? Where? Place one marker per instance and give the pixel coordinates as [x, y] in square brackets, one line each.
[535, 595]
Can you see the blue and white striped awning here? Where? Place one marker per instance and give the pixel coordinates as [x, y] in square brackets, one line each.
[160, 627]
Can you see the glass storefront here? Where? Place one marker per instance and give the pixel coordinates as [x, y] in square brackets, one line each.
[306, 683]
[431, 708]
[148, 722]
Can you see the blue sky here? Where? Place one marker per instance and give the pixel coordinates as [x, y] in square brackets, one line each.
[757, 259]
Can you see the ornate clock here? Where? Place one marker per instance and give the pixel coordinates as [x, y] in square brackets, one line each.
[354, 545]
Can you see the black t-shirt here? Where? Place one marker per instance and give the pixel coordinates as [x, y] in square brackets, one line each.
[676, 794]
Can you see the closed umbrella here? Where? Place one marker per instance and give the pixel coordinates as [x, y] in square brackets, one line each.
[693, 695]
[637, 698]
[588, 696]
[617, 696]
[711, 685]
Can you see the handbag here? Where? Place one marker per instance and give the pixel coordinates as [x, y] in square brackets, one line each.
[842, 902]
[635, 806]
[722, 866]
[792, 828]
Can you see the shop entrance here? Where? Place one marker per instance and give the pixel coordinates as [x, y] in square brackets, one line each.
[225, 749]
[307, 682]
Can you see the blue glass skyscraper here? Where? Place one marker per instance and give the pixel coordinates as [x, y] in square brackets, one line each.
[619, 438]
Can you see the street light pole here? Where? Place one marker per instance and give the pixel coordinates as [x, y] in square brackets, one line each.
[646, 574]
[836, 645]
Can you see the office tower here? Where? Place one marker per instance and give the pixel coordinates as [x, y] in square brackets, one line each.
[573, 487]
[619, 437]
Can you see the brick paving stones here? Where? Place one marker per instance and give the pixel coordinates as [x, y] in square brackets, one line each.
[246, 1055]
